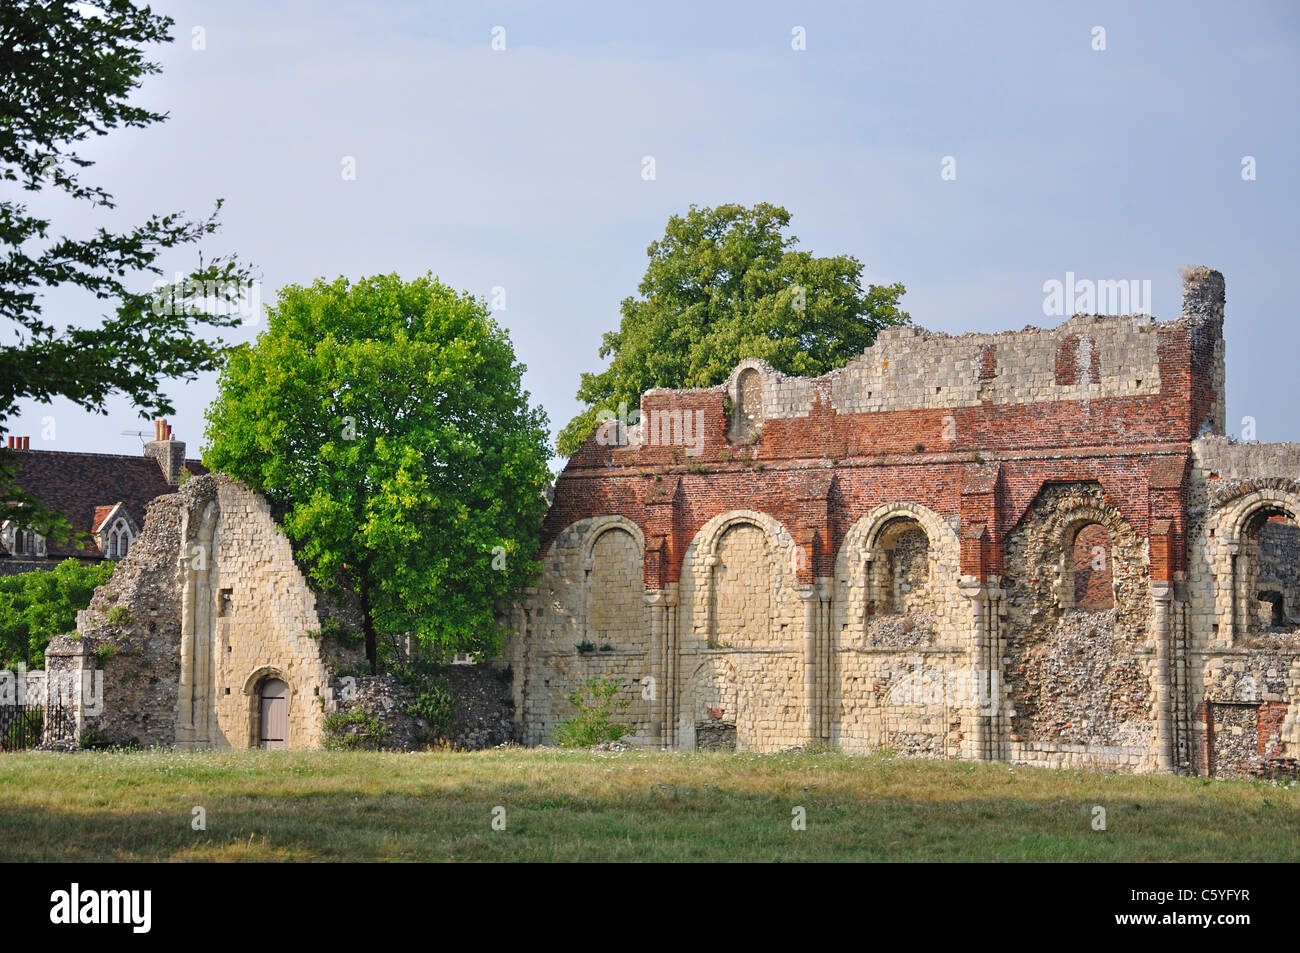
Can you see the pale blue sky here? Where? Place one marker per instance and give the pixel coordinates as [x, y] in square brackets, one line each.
[522, 168]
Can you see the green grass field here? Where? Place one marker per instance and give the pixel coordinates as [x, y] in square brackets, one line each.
[620, 806]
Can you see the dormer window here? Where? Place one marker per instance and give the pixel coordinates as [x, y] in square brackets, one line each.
[22, 542]
[120, 539]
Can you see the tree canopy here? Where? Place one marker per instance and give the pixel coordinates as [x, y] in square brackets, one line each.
[67, 71]
[36, 606]
[725, 284]
[390, 420]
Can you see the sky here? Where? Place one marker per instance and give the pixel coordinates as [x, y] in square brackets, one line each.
[523, 168]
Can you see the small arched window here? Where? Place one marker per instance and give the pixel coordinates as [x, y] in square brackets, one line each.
[1093, 573]
[747, 417]
[119, 540]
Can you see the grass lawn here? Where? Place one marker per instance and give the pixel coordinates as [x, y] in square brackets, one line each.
[622, 806]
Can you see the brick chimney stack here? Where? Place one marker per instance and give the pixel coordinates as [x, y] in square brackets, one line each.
[169, 453]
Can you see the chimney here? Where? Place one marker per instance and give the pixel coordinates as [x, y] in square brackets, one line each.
[1203, 300]
[1202, 291]
[20, 443]
[169, 453]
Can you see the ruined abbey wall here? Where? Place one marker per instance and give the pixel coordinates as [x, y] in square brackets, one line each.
[208, 604]
[988, 546]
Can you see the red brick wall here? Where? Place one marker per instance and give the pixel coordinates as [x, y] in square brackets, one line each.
[859, 461]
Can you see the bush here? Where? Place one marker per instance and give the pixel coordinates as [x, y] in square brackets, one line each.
[595, 702]
[105, 653]
[436, 707]
[119, 615]
[353, 730]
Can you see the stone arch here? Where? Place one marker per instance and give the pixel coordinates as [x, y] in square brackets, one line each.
[710, 694]
[1076, 675]
[1092, 584]
[1239, 570]
[776, 565]
[747, 413]
[613, 583]
[252, 692]
[564, 602]
[859, 582]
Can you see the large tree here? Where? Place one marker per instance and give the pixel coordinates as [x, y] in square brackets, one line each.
[725, 284]
[67, 71]
[390, 420]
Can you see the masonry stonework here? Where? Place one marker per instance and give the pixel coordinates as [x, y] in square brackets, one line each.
[1034, 546]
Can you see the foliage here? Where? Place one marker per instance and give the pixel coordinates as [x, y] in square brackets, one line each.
[436, 706]
[36, 606]
[93, 738]
[725, 284]
[67, 71]
[353, 730]
[592, 725]
[105, 653]
[119, 615]
[390, 421]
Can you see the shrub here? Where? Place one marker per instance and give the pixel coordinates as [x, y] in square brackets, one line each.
[436, 707]
[353, 730]
[595, 702]
[105, 653]
[119, 615]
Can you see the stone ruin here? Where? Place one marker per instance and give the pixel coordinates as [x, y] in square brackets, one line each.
[1034, 547]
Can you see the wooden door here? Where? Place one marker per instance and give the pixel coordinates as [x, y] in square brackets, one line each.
[275, 714]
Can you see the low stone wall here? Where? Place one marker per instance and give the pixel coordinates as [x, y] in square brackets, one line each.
[481, 701]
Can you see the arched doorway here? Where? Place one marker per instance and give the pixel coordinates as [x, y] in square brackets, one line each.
[274, 732]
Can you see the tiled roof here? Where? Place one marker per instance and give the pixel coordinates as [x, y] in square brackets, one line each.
[86, 486]
[101, 514]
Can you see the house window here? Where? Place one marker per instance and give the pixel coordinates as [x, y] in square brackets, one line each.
[119, 540]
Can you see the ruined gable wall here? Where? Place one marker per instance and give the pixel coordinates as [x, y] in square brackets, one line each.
[213, 538]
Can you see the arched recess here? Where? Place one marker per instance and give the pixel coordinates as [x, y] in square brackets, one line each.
[252, 692]
[1252, 544]
[1076, 675]
[564, 599]
[878, 574]
[741, 568]
[613, 584]
[711, 700]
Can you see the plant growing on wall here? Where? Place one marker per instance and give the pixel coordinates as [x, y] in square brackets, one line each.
[596, 703]
[724, 284]
[389, 420]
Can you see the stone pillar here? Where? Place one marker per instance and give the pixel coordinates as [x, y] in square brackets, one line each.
[1161, 593]
[69, 682]
[826, 656]
[982, 695]
[672, 660]
[808, 594]
[654, 600]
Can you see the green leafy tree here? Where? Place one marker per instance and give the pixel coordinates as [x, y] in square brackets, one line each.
[389, 419]
[725, 284]
[67, 71]
[36, 606]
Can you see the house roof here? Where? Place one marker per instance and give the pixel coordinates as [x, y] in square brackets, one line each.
[86, 487]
